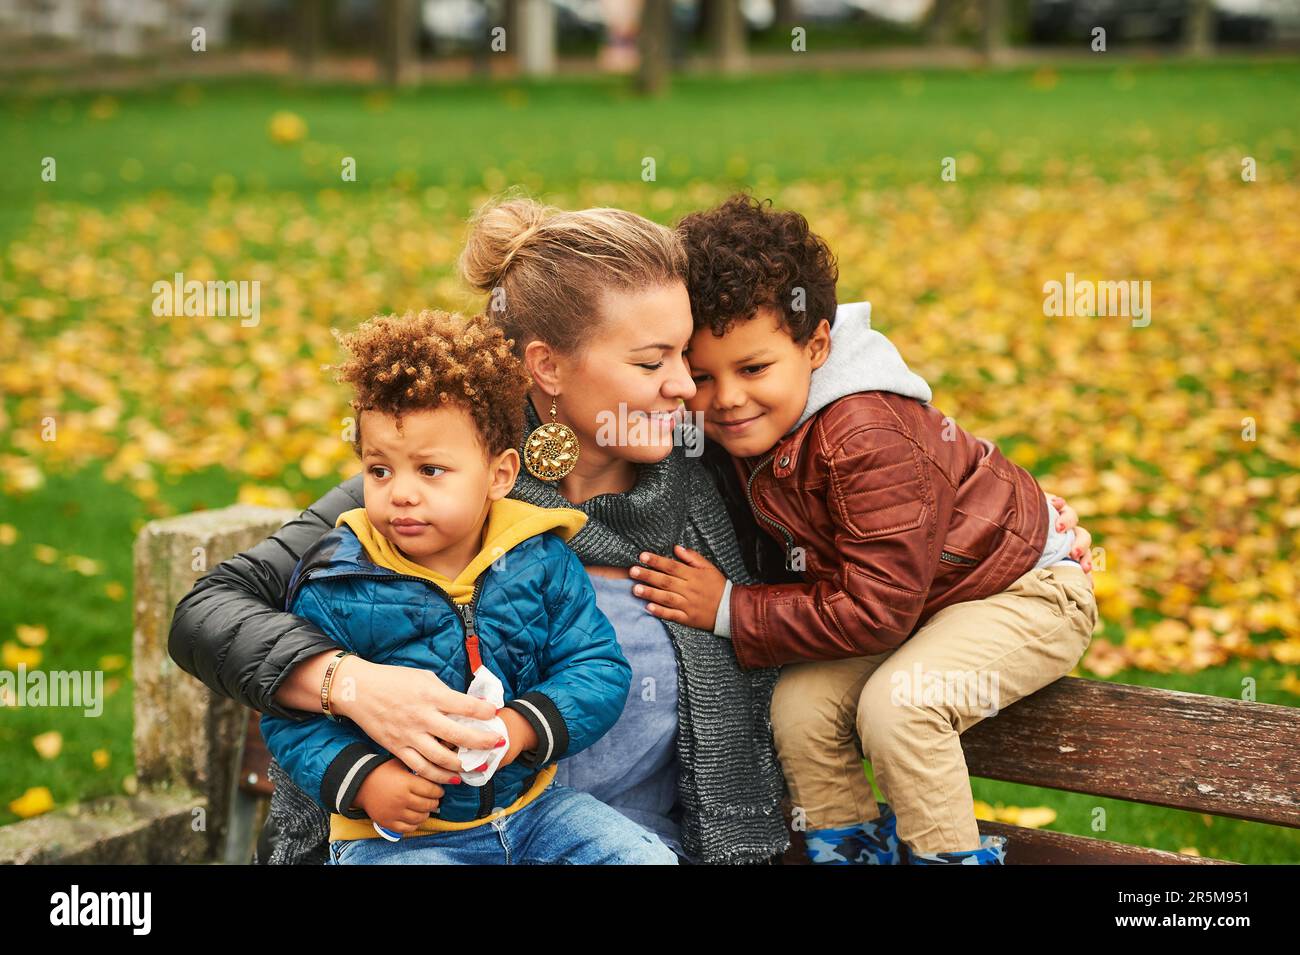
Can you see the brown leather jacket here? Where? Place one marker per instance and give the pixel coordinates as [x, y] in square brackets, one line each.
[899, 513]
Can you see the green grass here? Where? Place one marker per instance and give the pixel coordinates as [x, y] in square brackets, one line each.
[84, 626]
[84, 514]
[891, 128]
[886, 129]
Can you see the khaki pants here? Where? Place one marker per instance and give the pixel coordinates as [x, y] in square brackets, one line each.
[904, 709]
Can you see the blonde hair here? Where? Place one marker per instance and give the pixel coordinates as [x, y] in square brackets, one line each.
[545, 269]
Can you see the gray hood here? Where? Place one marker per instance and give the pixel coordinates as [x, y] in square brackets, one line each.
[861, 359]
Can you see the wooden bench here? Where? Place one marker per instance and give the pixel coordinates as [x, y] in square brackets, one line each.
[251, 798]
[1161, 747]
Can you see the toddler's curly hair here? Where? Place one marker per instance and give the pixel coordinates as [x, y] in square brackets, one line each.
[742, 256]
[433, 359]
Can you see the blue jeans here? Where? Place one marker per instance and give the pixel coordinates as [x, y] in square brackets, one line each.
[560, 827]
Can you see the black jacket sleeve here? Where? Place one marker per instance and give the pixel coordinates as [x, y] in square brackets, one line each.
[231, 630]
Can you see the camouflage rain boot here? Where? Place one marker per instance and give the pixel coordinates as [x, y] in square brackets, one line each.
[867, 843]
[992, 851]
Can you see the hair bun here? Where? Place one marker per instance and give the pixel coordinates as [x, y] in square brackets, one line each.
[499, 231]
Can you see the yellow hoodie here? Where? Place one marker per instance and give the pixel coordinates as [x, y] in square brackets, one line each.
[509, 522]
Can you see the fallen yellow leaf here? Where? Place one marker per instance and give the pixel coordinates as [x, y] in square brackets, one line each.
[85, 566]
[15, 656]
[48, 745]
[32, 635]
[286, 127]
[1036, 817]
[35, 801]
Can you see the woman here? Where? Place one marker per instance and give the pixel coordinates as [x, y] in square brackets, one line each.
[596, 304]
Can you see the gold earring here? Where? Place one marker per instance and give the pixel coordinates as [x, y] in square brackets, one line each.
[551, 450]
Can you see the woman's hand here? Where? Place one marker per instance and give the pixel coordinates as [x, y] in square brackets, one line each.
[1082, 551]
[403, 709]
[687, 590]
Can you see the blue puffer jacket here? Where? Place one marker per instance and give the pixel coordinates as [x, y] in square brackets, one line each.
[534, 610]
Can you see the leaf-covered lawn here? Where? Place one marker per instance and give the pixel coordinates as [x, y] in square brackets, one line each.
[1177, 440]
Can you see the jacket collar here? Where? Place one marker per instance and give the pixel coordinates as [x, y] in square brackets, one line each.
[861, 359]
[784, 454]
[509, 523]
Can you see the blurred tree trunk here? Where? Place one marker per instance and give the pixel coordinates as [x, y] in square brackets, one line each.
[654, 41]
[786, 12]
[941, 25]
[726, 34]
[511, 21]
[1198, 30]
[310, 30]
[993, 32]
[536, 39]
[398, 41]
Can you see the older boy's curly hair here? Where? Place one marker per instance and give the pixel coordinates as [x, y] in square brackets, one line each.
[742, 256]
[432, 359]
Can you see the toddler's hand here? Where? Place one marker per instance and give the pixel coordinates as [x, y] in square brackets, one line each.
[396, 798]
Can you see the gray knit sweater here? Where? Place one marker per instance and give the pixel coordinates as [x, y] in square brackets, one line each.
[729, 783]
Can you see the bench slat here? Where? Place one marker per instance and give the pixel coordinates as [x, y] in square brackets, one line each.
[1181, 750]
[255, 761]
[1044, 847]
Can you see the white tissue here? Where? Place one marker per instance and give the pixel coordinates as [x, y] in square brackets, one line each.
[485, 686]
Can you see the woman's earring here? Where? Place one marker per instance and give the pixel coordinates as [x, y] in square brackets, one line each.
[551, 450]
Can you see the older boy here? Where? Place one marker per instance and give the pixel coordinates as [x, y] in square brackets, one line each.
[926, 555]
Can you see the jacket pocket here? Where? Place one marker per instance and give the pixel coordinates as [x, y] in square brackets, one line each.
[948, 556]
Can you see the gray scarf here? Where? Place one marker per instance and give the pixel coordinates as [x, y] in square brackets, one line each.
[729, 782]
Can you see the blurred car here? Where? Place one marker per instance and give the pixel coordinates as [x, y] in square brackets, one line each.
[468, 22]
[1152, 21]
[761, 14]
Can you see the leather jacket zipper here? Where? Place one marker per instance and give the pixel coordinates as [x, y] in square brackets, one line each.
[956, 558]
[749, 493]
